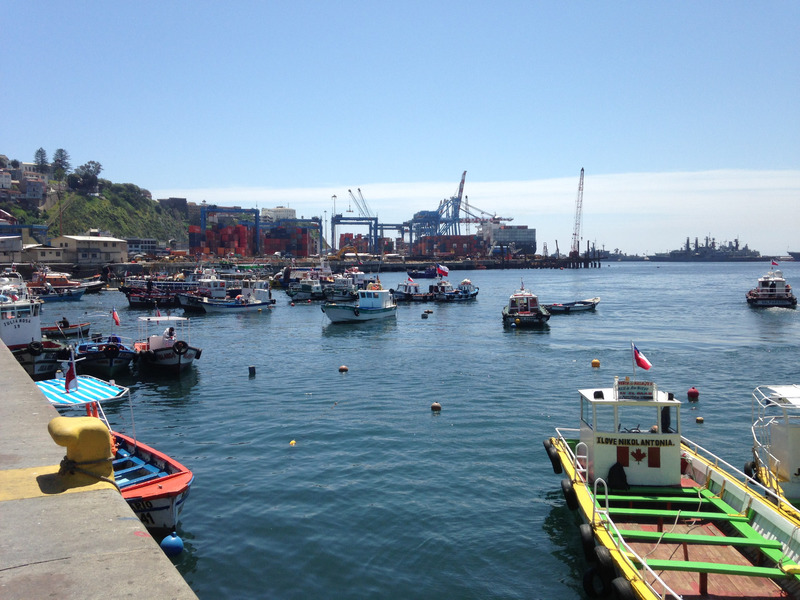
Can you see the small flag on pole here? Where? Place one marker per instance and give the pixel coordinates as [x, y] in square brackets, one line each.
[774, 263]
[641, 359]
[115, 316]
[158, 312]
[442, 270]
[71, 379]
[410, 280]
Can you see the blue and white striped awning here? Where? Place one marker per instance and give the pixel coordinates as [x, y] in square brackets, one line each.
[90, 389]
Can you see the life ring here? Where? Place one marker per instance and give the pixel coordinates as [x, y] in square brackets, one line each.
[111, 351]
[356, 312]
[35, 348]
[553, 454]
[569, 494]
[621, 589]
[180, 347]
[587, 542]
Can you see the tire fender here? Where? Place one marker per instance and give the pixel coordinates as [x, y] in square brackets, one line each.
[569, 494]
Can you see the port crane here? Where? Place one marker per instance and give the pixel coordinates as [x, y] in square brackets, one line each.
[575, 251]
[365, 218]
[447, 218]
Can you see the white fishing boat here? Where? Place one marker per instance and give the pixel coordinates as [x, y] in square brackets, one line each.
[776, 441]
[241, 303]
[21, 331]
[662, 517]
[373, 303]
[171, 349]
[524, 311]
[154, 484]
[306, 289]
[410, 291]
[772, 290]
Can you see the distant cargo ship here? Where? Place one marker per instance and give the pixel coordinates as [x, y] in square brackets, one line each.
[709, 252]
[795, 255]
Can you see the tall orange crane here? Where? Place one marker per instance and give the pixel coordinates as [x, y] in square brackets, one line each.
[575, 251]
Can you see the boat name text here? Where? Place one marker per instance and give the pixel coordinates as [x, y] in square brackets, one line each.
[634, 442]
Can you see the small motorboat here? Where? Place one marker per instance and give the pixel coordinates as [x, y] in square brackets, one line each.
[662, 516]
[65, 329]
[772, 290]
[107, 357]
[154, 299]
[154, 484]
[52, 286]
[94, 285]
[524, 311]
[447, 293]
[571, 307]
[169, 350]
[241, 303]
[410, 291]
[373, 303]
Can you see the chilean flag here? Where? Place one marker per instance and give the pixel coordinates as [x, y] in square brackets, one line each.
[410, 280]
[442, 270]
[71, 379]
[115, 316]
[641, 359]
[774, 263]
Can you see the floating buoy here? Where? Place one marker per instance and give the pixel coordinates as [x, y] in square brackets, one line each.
[429, 311]
[699, 420]
[516, 321]
[172, 545]
[595, 363]
[252, 370]
[292, 443]
[424, 315]
[436, 407]
[291, 304]
[343, 369]
[693, 394]
[309, 300]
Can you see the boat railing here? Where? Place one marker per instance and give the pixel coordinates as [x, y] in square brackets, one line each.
[753, 487]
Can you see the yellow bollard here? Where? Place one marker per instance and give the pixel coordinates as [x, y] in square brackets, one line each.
[88, 444]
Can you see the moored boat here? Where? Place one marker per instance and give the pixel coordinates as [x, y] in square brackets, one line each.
[464, 291]
[154, 299]
[20, 330]
[241, 303]
[170, 350]
[373, 303]
[64, 329]
[523, 310]
[154, 485]
[571, 307]
[52, 286]
[661, 516]
[427, 273]
[410, 291]
[106, 357]
[776, 441]
[772, 290]
[306, 289]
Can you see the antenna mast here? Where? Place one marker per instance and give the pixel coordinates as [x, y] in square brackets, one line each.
[576, 232]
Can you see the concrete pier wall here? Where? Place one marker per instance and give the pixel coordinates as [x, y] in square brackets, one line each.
[83, 543]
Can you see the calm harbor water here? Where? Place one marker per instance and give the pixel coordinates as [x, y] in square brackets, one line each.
[381, 498]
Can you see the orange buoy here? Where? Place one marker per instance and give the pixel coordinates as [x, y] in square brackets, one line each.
[436, 407]
[693, 394]
[343, 369]
[699, 420]
[596, 363]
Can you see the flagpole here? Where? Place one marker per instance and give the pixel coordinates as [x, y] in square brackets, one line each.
[633, 361]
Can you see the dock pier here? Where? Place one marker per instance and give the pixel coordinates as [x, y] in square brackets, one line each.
[81, 543]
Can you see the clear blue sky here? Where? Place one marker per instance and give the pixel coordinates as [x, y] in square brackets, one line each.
[685, 115]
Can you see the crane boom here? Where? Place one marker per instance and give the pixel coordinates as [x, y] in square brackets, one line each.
[576, 232]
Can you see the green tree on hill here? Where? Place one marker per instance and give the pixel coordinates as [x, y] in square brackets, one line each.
[40, 158]
[61, 164]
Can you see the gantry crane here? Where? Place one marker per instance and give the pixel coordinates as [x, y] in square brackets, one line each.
[575, 251]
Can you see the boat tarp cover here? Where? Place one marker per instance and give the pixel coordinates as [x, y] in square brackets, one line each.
[90, 389]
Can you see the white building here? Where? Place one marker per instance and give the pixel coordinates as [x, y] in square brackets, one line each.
[279, 213]
[90, 249]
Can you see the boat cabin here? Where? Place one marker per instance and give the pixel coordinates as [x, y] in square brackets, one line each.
[372, 298]
[633, 424]
[523, 303]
